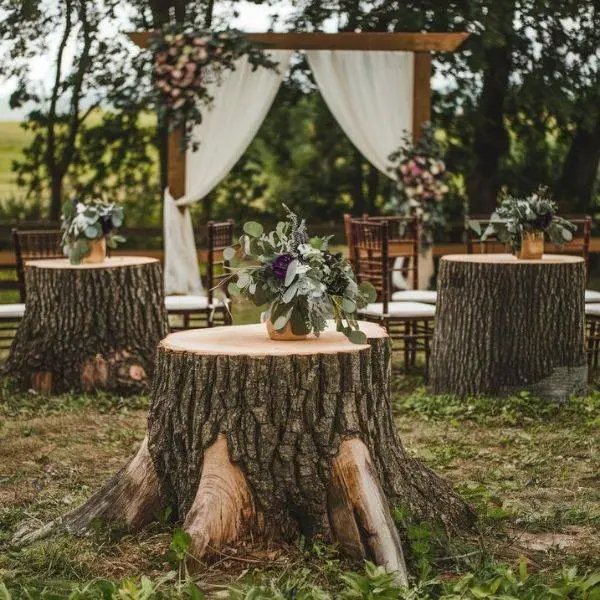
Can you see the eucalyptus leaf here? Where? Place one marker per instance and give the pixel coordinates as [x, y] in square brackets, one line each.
[290, 293]
[368, 290]
[92, 232]
[475, 226]
[233, 288]
[229, 253]
[282, 321]
[348, 306]
[357, 337]
[253, 229]
[291, 272]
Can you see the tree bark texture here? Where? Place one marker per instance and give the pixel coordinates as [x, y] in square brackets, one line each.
[273, 444]
[505, 325]
[89, 327]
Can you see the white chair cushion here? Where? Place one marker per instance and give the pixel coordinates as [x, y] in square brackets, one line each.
[400, 309]
[593, 310]
[190, 302]
[12, 311]
[592, 296]
[426, 296]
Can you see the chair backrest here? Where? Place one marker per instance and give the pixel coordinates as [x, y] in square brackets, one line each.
[492, 245]
[404, 241]
[32, 244]
[579, 245]
[372, 260]
[219, 237]
[348, 234]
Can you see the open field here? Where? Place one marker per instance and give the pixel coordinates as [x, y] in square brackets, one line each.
[12, 141]
[531, 469]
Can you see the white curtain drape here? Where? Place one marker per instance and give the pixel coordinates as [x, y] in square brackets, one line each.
[370, 94]
[242, 99]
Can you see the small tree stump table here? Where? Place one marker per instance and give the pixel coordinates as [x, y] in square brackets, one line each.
[504, 324]
[89, 326]
[253, 437]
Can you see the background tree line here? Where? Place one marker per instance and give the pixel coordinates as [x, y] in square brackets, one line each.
[519, 106]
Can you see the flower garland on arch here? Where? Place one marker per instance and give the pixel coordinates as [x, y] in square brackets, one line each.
[182, 56]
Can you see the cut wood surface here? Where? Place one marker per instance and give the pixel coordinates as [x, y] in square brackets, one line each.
[252, 439]
[253, 340]
[110, 263]
[89, 326]
[505, 325]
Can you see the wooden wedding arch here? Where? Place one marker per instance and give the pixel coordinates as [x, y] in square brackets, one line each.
[422, 44]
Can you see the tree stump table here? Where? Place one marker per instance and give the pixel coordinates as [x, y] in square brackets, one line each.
[89, 326]
[250, 437]
[504, 324]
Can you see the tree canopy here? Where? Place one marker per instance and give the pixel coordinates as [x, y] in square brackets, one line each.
[517, 107]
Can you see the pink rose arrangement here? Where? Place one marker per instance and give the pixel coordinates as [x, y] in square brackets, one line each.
[423, 178]
[181, 58]
[421, 181]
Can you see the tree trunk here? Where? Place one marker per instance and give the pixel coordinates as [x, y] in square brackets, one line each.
[262, 439]
[89, 326]
[56, 201]
[373, 188]
[504, 325]
[491, 141]
[358, 197]
[580, 169]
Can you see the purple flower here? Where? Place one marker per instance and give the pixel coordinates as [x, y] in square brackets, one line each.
[280, 265]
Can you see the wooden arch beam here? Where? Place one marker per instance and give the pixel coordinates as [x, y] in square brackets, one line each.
[368, 40]
[422, 44]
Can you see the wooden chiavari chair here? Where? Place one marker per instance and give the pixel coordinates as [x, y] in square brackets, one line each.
[405, 247]
[29, 245]
[214, 307]
[492, 245]
[409, 324]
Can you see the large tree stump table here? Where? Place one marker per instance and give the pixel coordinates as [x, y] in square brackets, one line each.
[254, 438]
[504, 324]
[89, 326]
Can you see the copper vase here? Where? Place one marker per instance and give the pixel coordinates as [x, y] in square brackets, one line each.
[532, 245]
[283, 335]
[97, 252]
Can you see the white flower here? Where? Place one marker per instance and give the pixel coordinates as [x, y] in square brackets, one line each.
[307, 251]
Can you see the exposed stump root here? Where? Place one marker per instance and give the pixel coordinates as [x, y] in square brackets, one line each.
[274, 446]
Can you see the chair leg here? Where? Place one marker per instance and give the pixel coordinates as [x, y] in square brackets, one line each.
[406, 340]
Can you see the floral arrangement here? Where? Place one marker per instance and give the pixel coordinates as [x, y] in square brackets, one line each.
[298, 279]
[421, 180]
[181, 58]
[516, 217]
[83, 223]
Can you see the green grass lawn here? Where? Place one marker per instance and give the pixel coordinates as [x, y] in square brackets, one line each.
[12, 141]
[532, 470]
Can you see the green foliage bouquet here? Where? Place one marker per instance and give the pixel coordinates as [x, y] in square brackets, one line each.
[83, 224]
[516, 217]
[298, 279]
